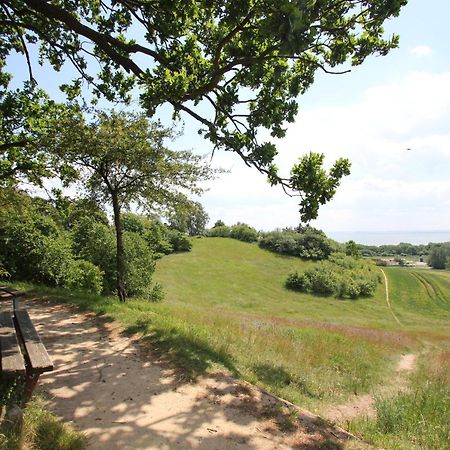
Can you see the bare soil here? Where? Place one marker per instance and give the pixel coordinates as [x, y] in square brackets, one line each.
[122, 398]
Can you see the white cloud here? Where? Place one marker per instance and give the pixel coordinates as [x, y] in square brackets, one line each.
[390, 188]
[421, 51]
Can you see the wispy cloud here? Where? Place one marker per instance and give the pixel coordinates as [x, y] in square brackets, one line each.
[421, 50]
[389, 188]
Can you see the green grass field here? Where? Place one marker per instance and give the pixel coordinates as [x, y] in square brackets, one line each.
[235, 277]
[226, 308]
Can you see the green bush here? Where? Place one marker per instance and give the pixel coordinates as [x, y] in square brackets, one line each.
[21, 245]
[219, 231]
[55, 261]
[156, 293]
[307, 243]
[95, 242]
[341, 276]
[179, 241]
[298, 282]
[139, 265]
[84, 275]
[243, 232]
[323, 280]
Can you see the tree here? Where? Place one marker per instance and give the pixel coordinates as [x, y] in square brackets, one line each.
[190, 218]
[439, 257]
[235, 66]
[316, 187]
[351, 249]
[28, 119]
[121, 158]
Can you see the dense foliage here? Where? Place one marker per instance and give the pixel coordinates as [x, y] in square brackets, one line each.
[240, 231]
[402, 249]
[439, 257]
[38, 243]
[341, 275]
[247, 61]
[306, 242]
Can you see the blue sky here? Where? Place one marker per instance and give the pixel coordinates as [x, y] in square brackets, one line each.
[371, 116]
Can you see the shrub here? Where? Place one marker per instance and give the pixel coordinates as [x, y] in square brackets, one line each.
[243, 232]
[323, 280]
[298, 282]
[55, 261]
[219, 231]
[85, 276]
[157, 293]
[307, 243]
[179, 241]
[95, 242]
[21, 245]
[342, 276]
[139, 265]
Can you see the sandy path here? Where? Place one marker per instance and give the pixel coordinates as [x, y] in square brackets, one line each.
[107, 389]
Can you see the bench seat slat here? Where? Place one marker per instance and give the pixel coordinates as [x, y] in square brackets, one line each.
[12, 361]
[39, 359]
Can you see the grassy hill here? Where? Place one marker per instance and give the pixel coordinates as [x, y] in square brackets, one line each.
[226, 304]
[229, 275]
[226, 308]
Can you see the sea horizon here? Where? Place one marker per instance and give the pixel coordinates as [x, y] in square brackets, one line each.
[377, 238]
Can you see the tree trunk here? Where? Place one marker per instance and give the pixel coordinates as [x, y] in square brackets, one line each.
[120, 258]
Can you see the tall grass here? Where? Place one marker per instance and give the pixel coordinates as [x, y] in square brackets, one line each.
[418, 418]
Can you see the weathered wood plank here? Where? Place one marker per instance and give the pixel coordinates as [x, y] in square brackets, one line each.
[12, 362]
[37, 353]
[7, 289]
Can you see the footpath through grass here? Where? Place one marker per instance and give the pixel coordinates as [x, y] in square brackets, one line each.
[226, 308]
[418, 418]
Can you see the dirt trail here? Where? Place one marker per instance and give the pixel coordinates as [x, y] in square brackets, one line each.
[122, 400]
[363, 405]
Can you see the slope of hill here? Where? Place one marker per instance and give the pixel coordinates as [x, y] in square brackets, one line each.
[238, 277]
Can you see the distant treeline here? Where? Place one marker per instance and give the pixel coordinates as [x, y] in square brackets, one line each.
[403, 249]
[437, 255]
[307, 242]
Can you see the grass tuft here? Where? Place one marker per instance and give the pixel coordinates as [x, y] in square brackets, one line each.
[41, 431]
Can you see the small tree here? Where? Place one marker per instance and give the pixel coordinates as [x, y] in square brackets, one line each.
[121, 158]
[190, 218]
[351, 249]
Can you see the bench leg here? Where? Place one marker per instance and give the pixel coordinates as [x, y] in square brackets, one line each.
[30, 384]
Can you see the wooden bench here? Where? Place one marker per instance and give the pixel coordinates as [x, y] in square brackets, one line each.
[8, 293]
[23, 356]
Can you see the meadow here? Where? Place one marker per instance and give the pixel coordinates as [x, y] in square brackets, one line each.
[226, 308]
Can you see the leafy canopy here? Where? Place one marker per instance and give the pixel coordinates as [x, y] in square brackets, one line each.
[236, 66]
[124, 154]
